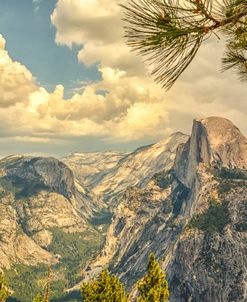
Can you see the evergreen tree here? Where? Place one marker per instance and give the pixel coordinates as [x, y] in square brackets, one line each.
[170, 32]
[38, 298]
[4, 290]
[154, 286]
[107, 288]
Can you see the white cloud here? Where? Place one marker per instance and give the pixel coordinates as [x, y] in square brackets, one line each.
[16, 81]
[116, 108]
[126, 105]
[202, 90]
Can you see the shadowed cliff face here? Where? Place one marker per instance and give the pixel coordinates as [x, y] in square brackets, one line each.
[39, 197]
[192, 217]
[37, 173]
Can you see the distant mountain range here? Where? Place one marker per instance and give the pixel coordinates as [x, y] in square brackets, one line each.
[184, 198]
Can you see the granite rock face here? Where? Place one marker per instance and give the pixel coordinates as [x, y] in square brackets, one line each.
[213, 141]
[90, 167]
[37, 172]
[38, 195]
[109, 174]
[193, 217]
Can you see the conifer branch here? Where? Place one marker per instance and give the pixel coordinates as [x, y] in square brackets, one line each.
[168, 33]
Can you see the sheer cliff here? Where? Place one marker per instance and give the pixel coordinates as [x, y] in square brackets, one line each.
[193, 217]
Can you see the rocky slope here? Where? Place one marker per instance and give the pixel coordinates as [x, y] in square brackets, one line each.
[90, 167]
[135, 169]
[192, 216]
[44, 219]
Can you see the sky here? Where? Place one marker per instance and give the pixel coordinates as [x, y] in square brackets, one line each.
[68, 82]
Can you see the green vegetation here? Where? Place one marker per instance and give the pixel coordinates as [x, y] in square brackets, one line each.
[154, 286]
[38, 298]
[107, 288]
[7, 186]
[4, 290]
[26, 281]
[241, 226]
[226, 173]
[226, 185]
[75, 249]
[3, 193]
[229, 179]
[213, 220]
[102, 218]
[22, 188]
[163, 179]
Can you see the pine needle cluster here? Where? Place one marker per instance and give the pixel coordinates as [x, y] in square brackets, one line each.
[169, 33]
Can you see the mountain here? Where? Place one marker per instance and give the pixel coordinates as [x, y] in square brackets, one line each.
[193, 217]
[111, 173]
[92, 165]
[45, 219]
[183, 198]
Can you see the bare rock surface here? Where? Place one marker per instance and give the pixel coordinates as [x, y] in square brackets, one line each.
[193, 217]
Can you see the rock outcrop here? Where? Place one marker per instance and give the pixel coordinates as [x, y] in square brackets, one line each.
[193, 217]
[37, 196]
[90, 167]
[137, 168]
[214, 141]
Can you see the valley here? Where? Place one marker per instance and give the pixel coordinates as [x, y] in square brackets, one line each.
[183, 198]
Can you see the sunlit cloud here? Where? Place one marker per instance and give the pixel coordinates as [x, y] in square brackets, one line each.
[125, 105]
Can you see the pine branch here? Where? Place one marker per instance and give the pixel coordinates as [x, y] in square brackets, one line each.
[168, 33]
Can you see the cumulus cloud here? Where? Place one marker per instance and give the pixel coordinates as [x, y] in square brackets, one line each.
[202, 90]
[96, 25]
[94, 112]
[126, 104]
[16, 81]
[117, 108]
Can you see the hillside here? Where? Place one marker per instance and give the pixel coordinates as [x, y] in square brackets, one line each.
[192, 217]
[44, 220]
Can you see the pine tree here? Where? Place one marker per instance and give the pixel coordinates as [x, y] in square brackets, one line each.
[38, 298]
[4, 290]
[169, 33]
[154, 286]
[107, 288]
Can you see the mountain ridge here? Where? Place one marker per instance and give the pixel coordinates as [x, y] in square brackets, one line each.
[198, 206]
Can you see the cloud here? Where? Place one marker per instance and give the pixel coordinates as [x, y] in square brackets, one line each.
[126, 105]
[115, 108]
[100, 114]
[36, 4]
[201, 91]
[16, 81]
[96, 25]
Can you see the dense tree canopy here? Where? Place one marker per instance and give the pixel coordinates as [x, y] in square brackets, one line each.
[154, 286]
[170, 32]
[107, 288]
